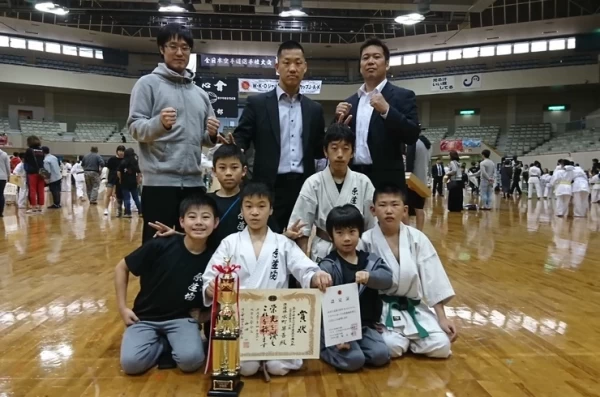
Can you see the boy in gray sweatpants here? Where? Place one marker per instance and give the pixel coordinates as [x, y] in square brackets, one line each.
[170, 271]
[346, 265]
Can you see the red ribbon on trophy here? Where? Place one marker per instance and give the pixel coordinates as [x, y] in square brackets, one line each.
[222, 270]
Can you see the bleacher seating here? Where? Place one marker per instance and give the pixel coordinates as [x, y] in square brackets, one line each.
[460, 69]
[435, 134]
[4, 126]
[571, 141]
[95, 132]
[45, 130]
[108, 70]
[59, 64]
[117, 137]
[523, 138]
[12, 59]
[487, 134]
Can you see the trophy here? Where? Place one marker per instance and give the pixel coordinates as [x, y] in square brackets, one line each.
[224, 350]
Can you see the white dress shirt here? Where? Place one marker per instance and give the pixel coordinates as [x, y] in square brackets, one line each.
[362, 155]
[290, 125]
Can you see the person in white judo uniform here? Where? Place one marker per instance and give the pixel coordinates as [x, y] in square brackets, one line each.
[22, 195]
[561, 181]
[267, 259]
[79, 176]
[595, 185]
[335, 186]
[545, 181]
[581, 192]
[65, 172]
[419, 282]
[534, 183]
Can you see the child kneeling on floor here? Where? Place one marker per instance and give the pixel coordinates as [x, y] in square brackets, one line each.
[170, 271]
[346, 265]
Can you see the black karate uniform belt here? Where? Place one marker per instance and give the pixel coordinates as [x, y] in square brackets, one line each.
[290, 176]
[323, 235]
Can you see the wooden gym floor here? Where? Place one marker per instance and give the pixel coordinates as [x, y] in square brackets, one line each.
[527, 305]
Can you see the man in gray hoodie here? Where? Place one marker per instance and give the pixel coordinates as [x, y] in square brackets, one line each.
[4, 177]
[171, 118]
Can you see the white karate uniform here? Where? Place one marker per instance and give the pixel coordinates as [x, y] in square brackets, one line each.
[277, 251]
[562, 179]
[23, 189]
[319, 195]
[65, 170]
[581, 192]
[546, 187]
[595, 184]
[534, 182]
[419, 276]
[77, 172]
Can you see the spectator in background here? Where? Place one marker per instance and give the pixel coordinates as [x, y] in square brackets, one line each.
[22, 182]
[34, 164]
[455, 183]
[92, 164]
[128, 174]
[78, 177]
[65, 170]
[55, 179]
[418, 158]
[595, 166]
[488, 176]
[506, 176]
[437, 174]
[516, 182]
[112, 182]
[172, 119]
[16, 159]
[5, 171]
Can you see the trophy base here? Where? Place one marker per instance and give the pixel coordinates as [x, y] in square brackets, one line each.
[225, 386]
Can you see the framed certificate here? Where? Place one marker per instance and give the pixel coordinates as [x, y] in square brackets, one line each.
[341, 314]
[280, 324]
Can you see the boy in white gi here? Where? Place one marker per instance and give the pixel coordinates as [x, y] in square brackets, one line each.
[534, 182]
[419, 281]
[267, 259]
[581, 192]
[347, 265]
[336, 185]
[595, 183]
[561, 181]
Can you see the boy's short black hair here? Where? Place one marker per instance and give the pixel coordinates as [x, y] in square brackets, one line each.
[229, 151]
[120, 148]
[257, 189]
[486, 153]
[378, 43]
[389, 188]
[198, 200]
[45, 150]
[289, 45]
[174, 31]
[339, 132]
[346, 216]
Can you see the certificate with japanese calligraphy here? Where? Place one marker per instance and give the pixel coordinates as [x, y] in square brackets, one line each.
[341, 314]
[280, 324]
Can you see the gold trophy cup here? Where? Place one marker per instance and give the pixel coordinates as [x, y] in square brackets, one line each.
[225, 334]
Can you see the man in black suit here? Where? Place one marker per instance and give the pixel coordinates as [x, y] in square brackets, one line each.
[286, 129]
[384, 118]
[437, 174]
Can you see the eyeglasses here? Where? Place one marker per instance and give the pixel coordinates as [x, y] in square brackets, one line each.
[174, 47]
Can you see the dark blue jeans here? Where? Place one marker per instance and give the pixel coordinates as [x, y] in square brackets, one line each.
[128, 194]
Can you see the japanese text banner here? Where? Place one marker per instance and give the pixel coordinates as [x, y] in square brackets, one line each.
[266, 85]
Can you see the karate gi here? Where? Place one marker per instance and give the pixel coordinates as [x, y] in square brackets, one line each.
[421, 279]
[279, 257]
[534, 182]
[546, 187]
[319, 195]
[581, 192]
[22, 196]
[562, 179]
[79, 176]
[65, 171]
[595, 184]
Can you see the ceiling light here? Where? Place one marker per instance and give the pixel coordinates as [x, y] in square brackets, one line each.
[295, 10]
[409, 19]
[171, 8]
[51, 8]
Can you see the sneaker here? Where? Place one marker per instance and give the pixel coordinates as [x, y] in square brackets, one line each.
[105, 212]
[53, 206]
[127, 216]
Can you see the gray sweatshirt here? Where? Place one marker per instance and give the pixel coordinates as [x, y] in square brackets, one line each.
[487, 169]
[4, 167]
[170, 157]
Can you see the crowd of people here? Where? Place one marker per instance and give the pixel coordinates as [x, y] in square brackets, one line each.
[356, 205]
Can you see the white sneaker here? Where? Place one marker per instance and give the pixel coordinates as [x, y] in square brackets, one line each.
[105, 212]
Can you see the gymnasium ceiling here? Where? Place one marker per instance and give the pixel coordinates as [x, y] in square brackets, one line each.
[236, 23]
